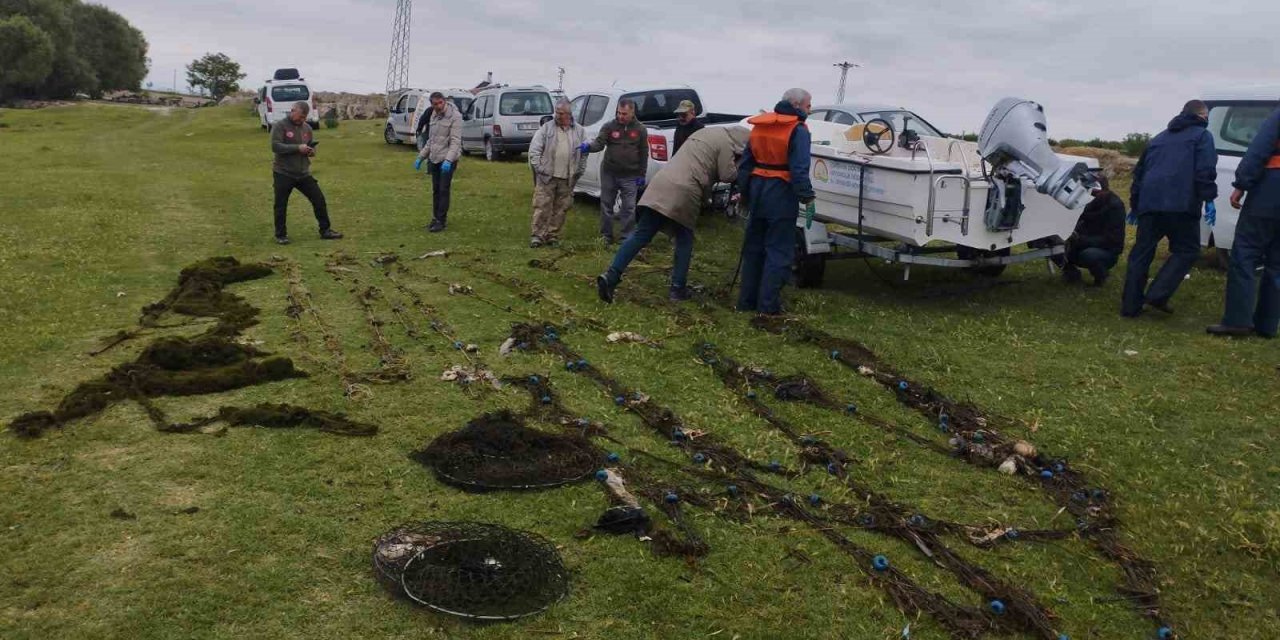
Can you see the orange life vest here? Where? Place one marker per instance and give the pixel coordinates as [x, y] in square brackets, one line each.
[1273, 164]
[770, 144]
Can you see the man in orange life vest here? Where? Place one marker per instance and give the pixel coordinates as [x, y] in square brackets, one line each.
[1257, 241]
[774, 181]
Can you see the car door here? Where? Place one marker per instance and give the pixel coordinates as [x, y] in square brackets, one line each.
[471, 138]
[412, 107]
[1233, 125]
[594, 114]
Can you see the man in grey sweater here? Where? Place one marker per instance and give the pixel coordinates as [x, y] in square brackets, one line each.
[292, 143]
[625, 143]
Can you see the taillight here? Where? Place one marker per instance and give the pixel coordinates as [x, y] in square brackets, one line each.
[658, 147]
[497, 131]
[269, 105]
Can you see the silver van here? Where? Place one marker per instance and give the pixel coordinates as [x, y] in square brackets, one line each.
[412, 105]
[503, 120]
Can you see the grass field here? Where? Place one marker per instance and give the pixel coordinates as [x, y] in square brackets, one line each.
[101, 206]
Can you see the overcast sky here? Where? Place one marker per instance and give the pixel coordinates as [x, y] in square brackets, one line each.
[1100, 67]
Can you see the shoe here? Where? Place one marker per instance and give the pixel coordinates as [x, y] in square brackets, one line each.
[330, 234]
[1098, 281]
[535, 242]
[435, 227]
[680, 294]
[282, 239]
[1071, 275]
[1162, 307]
[1228, 331]
[604, 289]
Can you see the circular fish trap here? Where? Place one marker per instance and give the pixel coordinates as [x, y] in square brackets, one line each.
[471, 570]
[497, 452]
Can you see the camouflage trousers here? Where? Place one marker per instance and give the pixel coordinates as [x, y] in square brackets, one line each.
[552, 198]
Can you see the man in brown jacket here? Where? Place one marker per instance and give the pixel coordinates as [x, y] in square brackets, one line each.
[673, 201]
[625, 142]
[443, 148]
[293, 146]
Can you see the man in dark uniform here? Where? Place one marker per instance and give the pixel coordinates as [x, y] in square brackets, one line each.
[1098, 240]
[773, 180]
[292, 144]
[1175, 177]
[1257, 241]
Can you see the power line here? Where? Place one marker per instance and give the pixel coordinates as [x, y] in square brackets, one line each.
[398, 66]
[844, 75]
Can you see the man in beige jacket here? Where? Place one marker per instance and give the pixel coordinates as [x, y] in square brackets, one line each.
[557, 164]
[443, 148]
[673, 200]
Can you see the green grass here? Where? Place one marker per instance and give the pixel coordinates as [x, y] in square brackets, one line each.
[102, 205]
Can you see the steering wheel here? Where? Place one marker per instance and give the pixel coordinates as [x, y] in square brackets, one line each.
[879, 136]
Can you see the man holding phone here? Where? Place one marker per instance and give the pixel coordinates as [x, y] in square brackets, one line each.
[294, 146]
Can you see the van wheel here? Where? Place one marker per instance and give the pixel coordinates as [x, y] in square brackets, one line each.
[390, 135]
[491, 154]
[808, 269]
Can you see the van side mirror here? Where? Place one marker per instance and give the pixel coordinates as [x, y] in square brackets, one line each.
[466, 116]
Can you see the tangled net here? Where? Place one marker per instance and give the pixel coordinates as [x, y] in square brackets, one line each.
[471, 570]
[497, 451]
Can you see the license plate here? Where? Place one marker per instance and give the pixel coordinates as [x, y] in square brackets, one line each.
[527, 126]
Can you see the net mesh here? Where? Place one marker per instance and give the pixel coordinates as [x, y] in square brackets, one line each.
[472, 570]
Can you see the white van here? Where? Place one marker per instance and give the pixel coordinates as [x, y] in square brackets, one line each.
[1234, 118]
[276, 98]
[412, 106]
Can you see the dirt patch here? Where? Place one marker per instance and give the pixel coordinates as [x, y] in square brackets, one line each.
[279, 416]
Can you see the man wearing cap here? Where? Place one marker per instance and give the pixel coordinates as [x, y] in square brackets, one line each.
[687, 115]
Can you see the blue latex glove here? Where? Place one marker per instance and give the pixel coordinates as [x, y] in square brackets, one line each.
[417, 164]
[640, 183]
[584, 147]
[1131, 219]
[1210, 213]
[446, 166]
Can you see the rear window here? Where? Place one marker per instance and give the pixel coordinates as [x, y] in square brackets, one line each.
[293, 93]
[525, 103]
[1233, 125]
[661, 105]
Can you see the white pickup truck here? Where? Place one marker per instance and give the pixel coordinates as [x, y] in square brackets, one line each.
[655, 108]
[1234, 118]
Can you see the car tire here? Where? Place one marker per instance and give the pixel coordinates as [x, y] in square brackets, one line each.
[490, 154]
[389, 135]
[809, 270]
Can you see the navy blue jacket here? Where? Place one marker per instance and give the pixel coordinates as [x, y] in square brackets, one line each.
[1253, 176]
[775, 197]
[1179, 170]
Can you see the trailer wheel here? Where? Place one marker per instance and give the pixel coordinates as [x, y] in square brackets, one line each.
[808, 269]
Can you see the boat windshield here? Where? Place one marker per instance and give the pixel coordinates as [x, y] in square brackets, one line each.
[898, 118]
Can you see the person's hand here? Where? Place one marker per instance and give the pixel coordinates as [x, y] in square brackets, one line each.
[1210, 213]
[1237, 198]
[306, 150]
[735, 198]
[446, 166]
[584, 147]
[417, 164]
[1131, 219]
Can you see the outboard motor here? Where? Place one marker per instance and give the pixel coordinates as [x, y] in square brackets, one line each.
[1015, 141]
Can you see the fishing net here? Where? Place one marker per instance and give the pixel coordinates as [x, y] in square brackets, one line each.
[496, 451]
[471, 570]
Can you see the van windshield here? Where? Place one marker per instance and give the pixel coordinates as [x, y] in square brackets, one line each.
[525, 103]
[290, 93]
[1233, 125]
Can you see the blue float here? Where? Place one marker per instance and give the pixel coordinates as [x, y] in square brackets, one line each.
[613, 457]
[546, 399]
[833, 468]
[457, 344]
[916, 520]
[672, 498]
[815, 499]
[880, 563]
[569, 366]
[997, 607]
[733, 490]
[903, 386]
[851, 408]
[1165, 633]
[619, 401]
[533, 379]
[1046, 474]
[751, 394]
[774, 465]
[602, 475]
[835, 354]
[1012, 534]
[698, 458]
[582, 364]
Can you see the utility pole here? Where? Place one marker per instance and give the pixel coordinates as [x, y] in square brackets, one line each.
[844, 75]
[398, 66]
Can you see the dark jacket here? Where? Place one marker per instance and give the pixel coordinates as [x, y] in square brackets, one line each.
[1179, 170]
[1253, 177]
[626, 149]
[775, 197]
[286, 139]
[683, 131]
[1101, 226]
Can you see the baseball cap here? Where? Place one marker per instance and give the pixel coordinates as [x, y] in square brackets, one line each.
[685, 106]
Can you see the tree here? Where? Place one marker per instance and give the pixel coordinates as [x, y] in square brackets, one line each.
[216, 73]
[1135, 143]
[26, 55]
[93, 48]
[113, 48]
